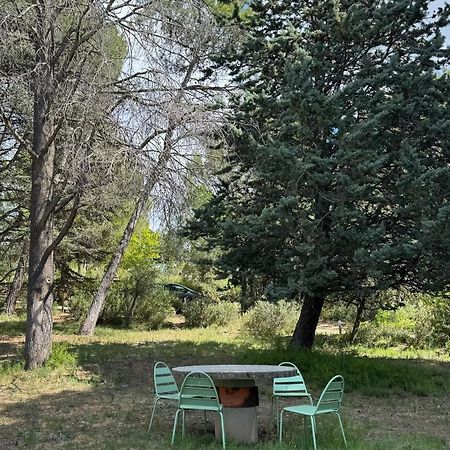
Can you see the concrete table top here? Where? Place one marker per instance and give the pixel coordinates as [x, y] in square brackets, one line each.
[241, 371]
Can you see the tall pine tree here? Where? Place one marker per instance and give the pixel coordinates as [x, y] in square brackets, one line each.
[339, 174]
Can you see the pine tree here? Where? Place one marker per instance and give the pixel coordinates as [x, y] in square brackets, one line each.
[338, 179]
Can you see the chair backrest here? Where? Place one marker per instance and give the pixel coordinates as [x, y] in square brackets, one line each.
[289, 364]
[198, 392]
[290, 386]
[163, 379]
[293, 386]
[331, 398]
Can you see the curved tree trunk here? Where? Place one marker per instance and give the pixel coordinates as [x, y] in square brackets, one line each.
[96, 307]
[16, 286]
[358, 318]
[90, 322]
[305, 330]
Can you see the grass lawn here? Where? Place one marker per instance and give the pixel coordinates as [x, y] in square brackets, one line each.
[96, 392]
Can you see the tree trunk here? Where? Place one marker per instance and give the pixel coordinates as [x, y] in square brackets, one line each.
[41, 270]
[38, 338]
[305, 330]
[99, 299]
[131, 309]
[90, 322]
[16, 286]
[357, 322]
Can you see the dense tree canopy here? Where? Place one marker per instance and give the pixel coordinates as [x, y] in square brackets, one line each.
[339, 145]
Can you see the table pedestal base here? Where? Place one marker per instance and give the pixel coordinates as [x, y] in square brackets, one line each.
[241, 425]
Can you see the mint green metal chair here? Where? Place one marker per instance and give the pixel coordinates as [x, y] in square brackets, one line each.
[165, 386]
[198, 393]
[289, 387]
[329, 403]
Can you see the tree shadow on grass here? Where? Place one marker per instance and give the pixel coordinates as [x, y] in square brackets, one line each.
[13, 328]
[105, 400]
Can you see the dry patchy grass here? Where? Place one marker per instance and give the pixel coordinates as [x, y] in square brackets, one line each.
[104, 401]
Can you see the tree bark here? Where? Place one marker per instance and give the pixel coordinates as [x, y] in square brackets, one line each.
[16, 286]
[305, 330]
[38, 338]
[41, 269]
[358, 318]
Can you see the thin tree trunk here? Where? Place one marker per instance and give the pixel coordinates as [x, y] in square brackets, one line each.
[305, 330]
[131, 310]
[96, 307]
[357, 322]
[16, 286]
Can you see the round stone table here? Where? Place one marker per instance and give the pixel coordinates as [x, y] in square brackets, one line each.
[238, 393]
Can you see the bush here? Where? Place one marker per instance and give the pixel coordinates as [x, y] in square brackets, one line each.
[222, 313]
[384, 336]
[203, 312]
[81, 298]
[423, 322]
[432, 321]
[154, 308]
[61, 356]
[267, 321]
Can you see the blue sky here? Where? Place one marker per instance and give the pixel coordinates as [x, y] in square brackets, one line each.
[436, 4]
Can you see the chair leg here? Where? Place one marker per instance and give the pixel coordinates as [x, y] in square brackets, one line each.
[182, 426]
[175, 426]
[342, 429]
[277, 412]
[313, 431]
[271, 407]
[153, 413]
[281, 425]
[315, 425]
[305, 430]
[222, 427]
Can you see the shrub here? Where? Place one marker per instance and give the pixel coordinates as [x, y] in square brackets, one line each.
[384, 335]
[61, 356]
[81, 298]
[222, 313]
[423, 322]
[432, 321]
[266, 321]
[154, 307]
[203, 312]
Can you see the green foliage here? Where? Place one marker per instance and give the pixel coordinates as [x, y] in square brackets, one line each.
[331, 187]
[154, 308]
[267, 321]
[423, 323]
[135, 296]
[223, 313]
[81, 298]
[338, 311]
[62, 356]
[203, 312]
[138, 301]
[143, 248]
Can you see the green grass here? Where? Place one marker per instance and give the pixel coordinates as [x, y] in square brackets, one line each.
[95, 391]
